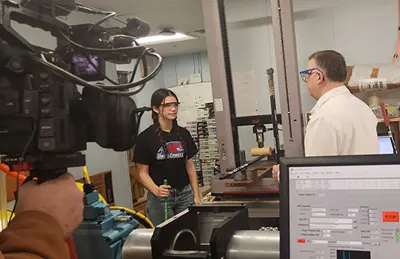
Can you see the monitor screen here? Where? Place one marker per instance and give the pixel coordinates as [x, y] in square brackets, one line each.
[90, 68]
[340, 210]
[385, 145]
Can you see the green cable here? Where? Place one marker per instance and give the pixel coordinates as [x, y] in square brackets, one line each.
[165, 203]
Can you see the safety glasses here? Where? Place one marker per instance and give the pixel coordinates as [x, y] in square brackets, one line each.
[170, 105]
[305, 74]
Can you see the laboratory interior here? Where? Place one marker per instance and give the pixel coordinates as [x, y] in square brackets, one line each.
[241, 129]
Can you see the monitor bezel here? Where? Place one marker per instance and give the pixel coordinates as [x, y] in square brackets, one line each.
[286, 163]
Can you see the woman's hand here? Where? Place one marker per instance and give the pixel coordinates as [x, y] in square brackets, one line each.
[162, 191]
[197, 200]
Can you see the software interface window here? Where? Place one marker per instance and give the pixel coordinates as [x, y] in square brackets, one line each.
[344, 212]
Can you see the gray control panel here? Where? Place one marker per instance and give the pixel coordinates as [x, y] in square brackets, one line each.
[344, 212]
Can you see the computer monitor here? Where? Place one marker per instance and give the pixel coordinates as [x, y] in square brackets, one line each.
[340, 207]
[385, 145]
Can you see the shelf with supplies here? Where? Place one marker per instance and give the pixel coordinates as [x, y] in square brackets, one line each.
[396, 119]
[372, 77]
[203, 131]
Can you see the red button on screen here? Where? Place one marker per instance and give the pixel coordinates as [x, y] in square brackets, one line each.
[390, 216]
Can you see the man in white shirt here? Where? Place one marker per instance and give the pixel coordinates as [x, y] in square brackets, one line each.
[340, 124]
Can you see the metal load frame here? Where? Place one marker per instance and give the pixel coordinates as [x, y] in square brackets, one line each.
[222, 85]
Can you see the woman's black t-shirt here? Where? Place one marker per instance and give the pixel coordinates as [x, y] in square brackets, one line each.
[170, 166]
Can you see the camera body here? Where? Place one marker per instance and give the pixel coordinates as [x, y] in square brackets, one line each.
[39, 99]
[45, 120]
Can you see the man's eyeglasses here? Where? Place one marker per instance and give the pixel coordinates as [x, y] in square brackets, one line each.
[170, 105]
[305, 74]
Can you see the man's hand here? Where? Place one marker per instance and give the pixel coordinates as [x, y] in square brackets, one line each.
[162, 191]
[59, 198]
[275, 173]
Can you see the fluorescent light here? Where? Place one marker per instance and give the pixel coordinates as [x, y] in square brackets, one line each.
[156, 39]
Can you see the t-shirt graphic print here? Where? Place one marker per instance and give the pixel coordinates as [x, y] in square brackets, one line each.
[175, 150]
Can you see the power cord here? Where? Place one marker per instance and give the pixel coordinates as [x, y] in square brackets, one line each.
[145, 69]
[105, 18]
[21, 159]
[117, 90]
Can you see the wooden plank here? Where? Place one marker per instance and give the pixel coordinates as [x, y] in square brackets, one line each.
[390, 120]
[375, 72]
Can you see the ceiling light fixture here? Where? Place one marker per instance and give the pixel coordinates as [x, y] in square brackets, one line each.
[157, 39]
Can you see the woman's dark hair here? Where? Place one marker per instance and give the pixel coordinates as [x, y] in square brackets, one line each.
[157, 99]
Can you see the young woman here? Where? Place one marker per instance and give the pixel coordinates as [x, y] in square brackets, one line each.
[165, 151]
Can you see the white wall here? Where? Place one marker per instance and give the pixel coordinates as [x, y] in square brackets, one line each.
[173, 68]
[97, 158]
[185, 65]
[363, 31]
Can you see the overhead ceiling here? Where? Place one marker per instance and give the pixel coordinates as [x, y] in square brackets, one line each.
[184, 16]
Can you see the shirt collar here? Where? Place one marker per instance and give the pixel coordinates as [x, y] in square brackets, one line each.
[329, 95]
[173, 130]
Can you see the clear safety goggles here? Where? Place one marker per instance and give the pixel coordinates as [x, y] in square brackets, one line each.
[305, 74]
[170, 105]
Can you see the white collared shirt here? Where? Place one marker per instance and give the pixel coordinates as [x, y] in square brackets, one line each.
[341, 124]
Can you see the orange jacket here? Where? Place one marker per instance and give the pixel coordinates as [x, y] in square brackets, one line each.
[33, 235]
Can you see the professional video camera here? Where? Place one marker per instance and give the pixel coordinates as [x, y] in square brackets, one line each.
[44, 120]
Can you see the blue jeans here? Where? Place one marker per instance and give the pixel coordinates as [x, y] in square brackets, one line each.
[178, 201]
